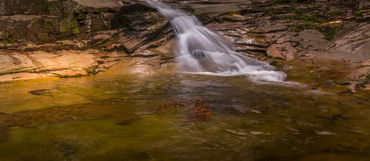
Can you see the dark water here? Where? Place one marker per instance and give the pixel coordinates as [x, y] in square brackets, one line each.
[114, 118]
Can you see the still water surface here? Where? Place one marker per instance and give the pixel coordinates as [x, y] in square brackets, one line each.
[103, 118]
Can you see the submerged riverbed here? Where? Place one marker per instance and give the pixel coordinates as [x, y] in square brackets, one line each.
[114, 118]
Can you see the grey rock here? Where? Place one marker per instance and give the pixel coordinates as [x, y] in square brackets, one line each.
[312, 40]
[363, 4]
[283, 51]
[214, 9]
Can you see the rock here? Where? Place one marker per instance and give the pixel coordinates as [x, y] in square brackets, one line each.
[234, 17]
[49, 21]
[365, 18]
[138, 66]
[363, 4]
[312, 40]
[269, 28]
[75, 37]
[30, 7]
[100, 3]
[353, 43]
[361, 71]
[351, 89]
[251, 49]
[253, 40]
[23, 76]
[284, 16]
[40, 92]
[40, 64]
[146, 62]
[214, 9]
[283, 51]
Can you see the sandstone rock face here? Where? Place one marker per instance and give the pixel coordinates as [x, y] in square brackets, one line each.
[215, 9]
[68, 63]
[353, 44]
[312, 40]
[100, 3]
[283, 51]
[77, 37]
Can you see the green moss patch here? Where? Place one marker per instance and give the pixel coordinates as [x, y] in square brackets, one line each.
[318, 22]
[69, 26]
[8, 38]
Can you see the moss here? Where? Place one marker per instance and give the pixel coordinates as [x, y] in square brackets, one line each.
[44, 29]
[69, 26]
[313, 21]
[49, 25]
[330, 31]
[273, 11]
[297, 11]
[76, 30]
[8, 38]
[55, 8]
[313, 18]
[277, 2]
[293, 1]
[360, 12]
[46, 24]
[333, 13]
[307, 25]
[41, 6]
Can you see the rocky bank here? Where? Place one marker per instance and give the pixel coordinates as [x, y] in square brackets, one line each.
[70, 38]
[325, 44]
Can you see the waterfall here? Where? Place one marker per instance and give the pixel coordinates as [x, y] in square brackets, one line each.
[200, 50]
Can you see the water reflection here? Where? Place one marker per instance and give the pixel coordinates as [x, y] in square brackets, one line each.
[114, 118]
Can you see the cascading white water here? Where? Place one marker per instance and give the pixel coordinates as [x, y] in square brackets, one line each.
[200, 50]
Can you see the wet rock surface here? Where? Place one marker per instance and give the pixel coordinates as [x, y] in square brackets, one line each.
[297, 35]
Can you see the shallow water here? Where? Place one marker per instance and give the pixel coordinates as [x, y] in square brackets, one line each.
[114, 118]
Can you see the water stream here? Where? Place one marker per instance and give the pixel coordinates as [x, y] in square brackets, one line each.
[202, 51]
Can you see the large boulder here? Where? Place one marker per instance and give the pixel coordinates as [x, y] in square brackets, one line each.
[353, 43]
[52, 20]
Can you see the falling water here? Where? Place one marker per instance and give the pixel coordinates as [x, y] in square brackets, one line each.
[202, 51]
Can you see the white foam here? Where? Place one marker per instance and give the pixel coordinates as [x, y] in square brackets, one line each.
[202, 51]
